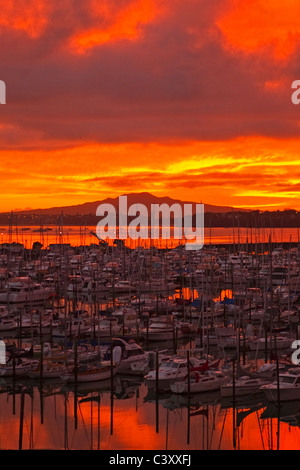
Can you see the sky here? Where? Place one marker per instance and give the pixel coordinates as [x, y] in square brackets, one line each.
[188, 99]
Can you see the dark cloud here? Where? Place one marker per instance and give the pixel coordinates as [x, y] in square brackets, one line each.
[177, 81]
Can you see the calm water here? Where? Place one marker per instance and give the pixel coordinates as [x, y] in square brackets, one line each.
[135, 421]
[83, 236]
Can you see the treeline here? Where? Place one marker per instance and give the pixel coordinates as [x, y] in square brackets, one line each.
[254, 219]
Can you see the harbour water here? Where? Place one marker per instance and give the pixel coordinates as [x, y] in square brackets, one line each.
[76, 236]
[131, 424]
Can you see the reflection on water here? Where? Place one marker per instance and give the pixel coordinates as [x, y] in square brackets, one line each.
[75, 236]
[134, 419]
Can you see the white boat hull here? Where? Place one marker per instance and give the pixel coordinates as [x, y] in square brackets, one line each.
[182, 387]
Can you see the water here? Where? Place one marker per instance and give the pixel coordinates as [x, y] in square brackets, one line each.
[83, 236]
[132, 423]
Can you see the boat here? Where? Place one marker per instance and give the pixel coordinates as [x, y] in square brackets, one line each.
[21, 368]
[143, 367]
[126, 316]
[93, 373]
[51, 352]
[175, 369]
[244, 385]
[289, 387]
[26, 323]
[122, 287]
[105, 327]
[162, 328]
[86, 354]
[71, 327]
[207, 382]
[282, 342]
[23, 290]
[126, 353]
[50, 371]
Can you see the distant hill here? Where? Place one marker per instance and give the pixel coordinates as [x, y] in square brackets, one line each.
[133, 198]
[215, 216]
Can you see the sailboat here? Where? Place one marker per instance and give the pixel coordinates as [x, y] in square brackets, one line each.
[92, 373]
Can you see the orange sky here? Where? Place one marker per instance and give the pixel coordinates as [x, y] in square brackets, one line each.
[186, 99]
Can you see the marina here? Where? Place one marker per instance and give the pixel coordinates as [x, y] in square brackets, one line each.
[186, 349]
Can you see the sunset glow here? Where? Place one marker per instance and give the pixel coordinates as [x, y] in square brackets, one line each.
[128, 96]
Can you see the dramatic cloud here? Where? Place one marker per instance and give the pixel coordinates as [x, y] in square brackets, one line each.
[147, 95]
[262, 26]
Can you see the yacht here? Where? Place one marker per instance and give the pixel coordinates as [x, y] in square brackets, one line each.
[172, 370]
[105, 327]
[71, 327]
[282, 342]
[162, 328]
[243, 386]
[207, 382]
[22, 290]
[126, 353]
[289, 387]
[122, 286]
